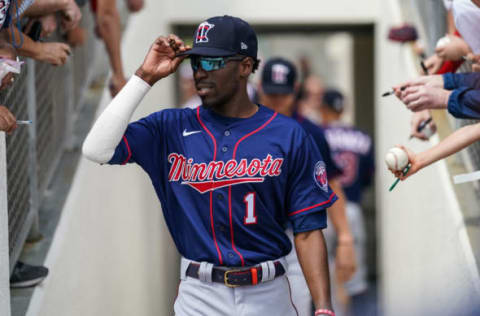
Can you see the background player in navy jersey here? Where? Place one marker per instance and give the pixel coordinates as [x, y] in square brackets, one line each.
[353, 151]
[229, 174]
[277, 91]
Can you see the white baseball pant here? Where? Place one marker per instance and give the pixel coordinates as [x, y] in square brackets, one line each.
[197, 297]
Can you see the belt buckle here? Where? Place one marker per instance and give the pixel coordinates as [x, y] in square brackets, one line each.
[225, 279]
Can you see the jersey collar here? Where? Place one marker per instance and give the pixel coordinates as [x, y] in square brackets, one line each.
[213, 117]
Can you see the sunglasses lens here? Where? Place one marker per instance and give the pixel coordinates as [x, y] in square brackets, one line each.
[207, 63]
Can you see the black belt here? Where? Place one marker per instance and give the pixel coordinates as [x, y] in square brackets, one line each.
[235, 277]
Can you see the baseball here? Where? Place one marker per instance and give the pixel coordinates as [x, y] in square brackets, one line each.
[396, 159]
[443, 41]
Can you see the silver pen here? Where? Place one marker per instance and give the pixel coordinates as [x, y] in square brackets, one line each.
[20, 122]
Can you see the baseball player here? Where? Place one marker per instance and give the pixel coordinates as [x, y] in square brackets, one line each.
[277, 91]
[353, 151]
[229, 174]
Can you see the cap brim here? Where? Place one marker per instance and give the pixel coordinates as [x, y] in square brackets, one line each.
[276, 89]
[207, 51]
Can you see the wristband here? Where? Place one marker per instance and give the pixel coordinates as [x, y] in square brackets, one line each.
[324, 312]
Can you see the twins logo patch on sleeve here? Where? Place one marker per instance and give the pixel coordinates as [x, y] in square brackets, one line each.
[320, 176]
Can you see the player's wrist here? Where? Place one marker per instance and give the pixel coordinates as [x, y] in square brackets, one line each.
[145, 76]
[324, 312]
[325, 304]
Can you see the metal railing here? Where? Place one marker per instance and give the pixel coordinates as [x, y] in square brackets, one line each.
[19, 196]
[51, 97]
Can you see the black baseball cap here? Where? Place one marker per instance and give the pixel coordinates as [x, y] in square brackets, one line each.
[224, 36]
[334, 100]
[278, 76]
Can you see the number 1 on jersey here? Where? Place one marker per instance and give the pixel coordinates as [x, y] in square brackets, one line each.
[250, 217]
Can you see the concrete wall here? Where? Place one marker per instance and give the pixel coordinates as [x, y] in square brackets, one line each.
[428, 266]
[4, 264]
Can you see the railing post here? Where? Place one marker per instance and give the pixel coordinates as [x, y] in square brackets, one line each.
[34, 234]
[4, 248]
[70, 115]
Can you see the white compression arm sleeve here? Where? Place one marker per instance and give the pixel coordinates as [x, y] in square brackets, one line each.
[108, 130]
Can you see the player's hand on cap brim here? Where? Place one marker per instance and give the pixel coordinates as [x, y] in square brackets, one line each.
[162, 59]
[177, 45]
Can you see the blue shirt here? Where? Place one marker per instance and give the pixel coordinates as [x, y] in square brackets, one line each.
[464, 102]
[353, 151]
[318, 136]
[229, 186]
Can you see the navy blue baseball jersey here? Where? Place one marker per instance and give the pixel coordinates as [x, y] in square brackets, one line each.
[318, 136]
[353, 152]
[229, 186]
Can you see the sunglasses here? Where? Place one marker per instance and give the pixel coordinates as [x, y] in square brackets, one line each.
[212, 63]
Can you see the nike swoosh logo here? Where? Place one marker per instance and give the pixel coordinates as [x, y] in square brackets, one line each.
[185, 133]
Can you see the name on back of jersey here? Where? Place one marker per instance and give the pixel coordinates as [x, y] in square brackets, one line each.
[348, 139]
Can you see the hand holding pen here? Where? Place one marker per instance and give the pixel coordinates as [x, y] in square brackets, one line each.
[435, 81]
[429, 132]
[20, 122]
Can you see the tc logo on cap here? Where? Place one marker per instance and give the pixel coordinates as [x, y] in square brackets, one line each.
[202, 32]
[279, 73]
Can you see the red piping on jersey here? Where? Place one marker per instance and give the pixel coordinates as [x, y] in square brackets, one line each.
[211, 192]
[128, 149]
[313, 206]
[230, 187]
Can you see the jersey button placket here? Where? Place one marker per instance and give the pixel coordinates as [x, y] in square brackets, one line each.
[224, 154]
